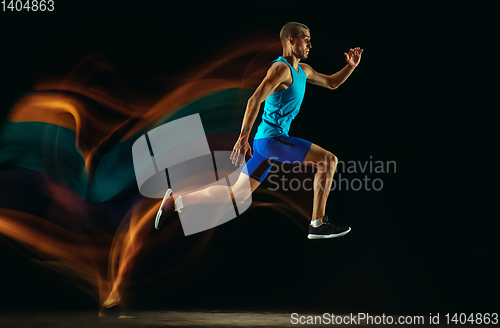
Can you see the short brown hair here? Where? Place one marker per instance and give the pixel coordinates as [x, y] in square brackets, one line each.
[291, 29]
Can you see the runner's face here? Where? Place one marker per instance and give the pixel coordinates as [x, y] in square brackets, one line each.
[302, 45]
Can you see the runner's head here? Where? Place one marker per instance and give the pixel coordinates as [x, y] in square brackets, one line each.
[297, 37]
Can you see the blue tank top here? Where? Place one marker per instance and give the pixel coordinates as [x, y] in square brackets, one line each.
[280, 108]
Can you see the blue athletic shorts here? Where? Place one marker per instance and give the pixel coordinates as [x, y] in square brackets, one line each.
[267, 151]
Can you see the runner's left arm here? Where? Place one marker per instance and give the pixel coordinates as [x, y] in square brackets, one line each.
[333, 81]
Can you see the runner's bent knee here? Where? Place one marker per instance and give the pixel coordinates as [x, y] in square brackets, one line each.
[328, 162]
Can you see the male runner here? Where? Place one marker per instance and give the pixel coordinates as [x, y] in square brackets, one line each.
[283, 91]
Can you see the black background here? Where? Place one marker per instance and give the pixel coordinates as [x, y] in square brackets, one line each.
[407, 253]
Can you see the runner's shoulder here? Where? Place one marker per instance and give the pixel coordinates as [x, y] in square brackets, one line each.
[306, 68]
[280, 70]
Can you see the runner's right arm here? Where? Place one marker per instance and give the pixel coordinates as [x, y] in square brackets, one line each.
[278, 73]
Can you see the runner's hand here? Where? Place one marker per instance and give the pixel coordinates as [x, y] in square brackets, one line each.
[353, 57]
[240, 149]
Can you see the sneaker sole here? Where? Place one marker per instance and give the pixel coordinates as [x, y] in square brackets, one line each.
[333, 235]
[158, 215]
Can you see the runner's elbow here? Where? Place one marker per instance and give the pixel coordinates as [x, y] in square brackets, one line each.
[332, 83]
[253, 101]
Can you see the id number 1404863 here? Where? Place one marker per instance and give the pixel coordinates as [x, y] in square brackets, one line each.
[27, 5]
